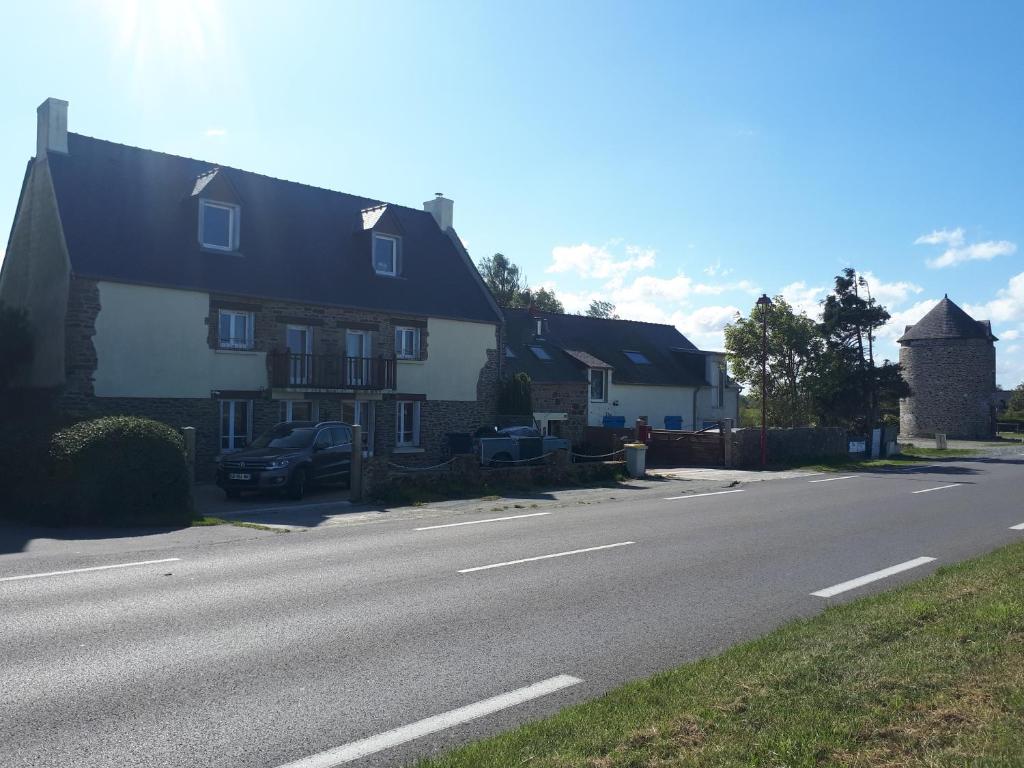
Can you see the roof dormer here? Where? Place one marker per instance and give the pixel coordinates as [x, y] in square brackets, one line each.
[218, 211]
[384, 231]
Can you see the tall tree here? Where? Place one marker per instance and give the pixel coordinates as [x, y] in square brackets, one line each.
[849, 389]
[544, 300]
[1016, 402]
[603, 309]
[792, 344]
[503, 279]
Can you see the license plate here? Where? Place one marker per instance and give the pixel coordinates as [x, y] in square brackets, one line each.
[239, 476]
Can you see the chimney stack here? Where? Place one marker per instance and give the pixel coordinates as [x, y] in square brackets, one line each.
[441, 209]
[52, 127]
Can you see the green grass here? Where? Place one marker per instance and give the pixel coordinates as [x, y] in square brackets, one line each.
[208, 520]
[909, 457]
[931, 675]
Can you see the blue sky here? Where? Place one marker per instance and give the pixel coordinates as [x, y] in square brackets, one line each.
[674, 158]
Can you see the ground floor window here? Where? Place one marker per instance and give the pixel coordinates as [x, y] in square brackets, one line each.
[299, 410]
[235, 424]
[362, 413]
[407, 424]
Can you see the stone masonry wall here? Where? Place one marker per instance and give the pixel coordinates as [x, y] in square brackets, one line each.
[329, 324]
[951, 383]
[569, 397]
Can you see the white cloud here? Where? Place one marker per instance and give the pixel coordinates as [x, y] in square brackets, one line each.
[705, 326]
[954, 237]
[899, 321]
[1010, 334]
[217, 132]
[716, 270]
[958, 250]
[596, 261]
[1007, 306]
[804, 298]
[890, 294]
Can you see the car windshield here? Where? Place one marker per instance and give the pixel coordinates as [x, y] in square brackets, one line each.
[284, 437]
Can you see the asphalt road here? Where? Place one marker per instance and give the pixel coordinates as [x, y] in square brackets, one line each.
[272, 648]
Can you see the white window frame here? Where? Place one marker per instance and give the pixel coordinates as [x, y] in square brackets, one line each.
[396, 243]
[604, 385]
[234, 215]
[288, 414]
[232, 342]
[402, 333]
[364, 413]
[229, 446]
[400, 425]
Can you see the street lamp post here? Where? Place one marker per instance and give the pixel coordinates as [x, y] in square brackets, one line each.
[764, 303]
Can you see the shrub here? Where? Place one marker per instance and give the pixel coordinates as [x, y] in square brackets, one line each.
[118, 470]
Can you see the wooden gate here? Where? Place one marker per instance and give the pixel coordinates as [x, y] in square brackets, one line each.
[671, 448]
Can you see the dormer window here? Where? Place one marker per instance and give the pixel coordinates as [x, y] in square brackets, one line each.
[218, 225]
[385, 255]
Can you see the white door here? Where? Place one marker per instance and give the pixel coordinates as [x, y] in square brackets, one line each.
[357, 352]
[299, 339]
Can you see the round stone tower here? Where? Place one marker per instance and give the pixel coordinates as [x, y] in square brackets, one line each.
[949, 361]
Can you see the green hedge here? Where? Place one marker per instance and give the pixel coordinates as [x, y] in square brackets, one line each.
[117, 470]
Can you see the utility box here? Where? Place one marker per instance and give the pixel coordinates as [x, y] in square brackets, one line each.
[636, 459]
[940, 441]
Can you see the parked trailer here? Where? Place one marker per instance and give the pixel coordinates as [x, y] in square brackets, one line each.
[517, 445]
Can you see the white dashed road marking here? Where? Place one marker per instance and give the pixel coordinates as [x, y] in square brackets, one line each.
[698, 495]
[938, 488]
[476, 522]
[830, 479]
[861, 581]
[1019, 527]
[393, 738]
[83, 570]
[545, 557]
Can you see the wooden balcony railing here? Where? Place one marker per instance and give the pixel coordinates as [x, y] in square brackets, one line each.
[329, 372]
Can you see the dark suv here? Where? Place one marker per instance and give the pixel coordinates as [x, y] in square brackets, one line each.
[290, 456]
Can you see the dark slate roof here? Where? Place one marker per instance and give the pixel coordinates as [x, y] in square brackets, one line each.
[947, 321]
[571, 340]
[129, 215]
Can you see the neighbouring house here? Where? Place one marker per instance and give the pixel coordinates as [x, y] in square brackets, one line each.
[583, 369]
[949, 362]
[208, 296]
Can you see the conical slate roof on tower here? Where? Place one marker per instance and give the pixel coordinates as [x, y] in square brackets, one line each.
[947, 321]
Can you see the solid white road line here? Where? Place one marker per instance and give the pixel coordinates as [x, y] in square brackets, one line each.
[1017, 527]
[546, 557]
[830, 479]
[938, 488]
[475, 522]
[854, 583]
[83, 570]
[698, 495]
[393, 738]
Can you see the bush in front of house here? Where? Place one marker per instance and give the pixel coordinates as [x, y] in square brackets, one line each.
[117, 470]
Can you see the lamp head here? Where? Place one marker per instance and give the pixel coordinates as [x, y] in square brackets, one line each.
[764, 301]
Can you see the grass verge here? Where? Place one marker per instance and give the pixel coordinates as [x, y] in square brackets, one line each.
[908, 458]
[208, 520]
[928, 675]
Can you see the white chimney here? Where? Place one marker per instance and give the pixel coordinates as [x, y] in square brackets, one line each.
[52, 127]
[441, 209]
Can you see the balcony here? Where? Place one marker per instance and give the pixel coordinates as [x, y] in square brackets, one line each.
[329, 373]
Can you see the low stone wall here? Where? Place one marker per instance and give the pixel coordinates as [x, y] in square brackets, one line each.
[381, 479]
[788, 445]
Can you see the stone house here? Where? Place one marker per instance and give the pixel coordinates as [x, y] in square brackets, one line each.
[949, 362]
[213, 297]
[583, 369]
